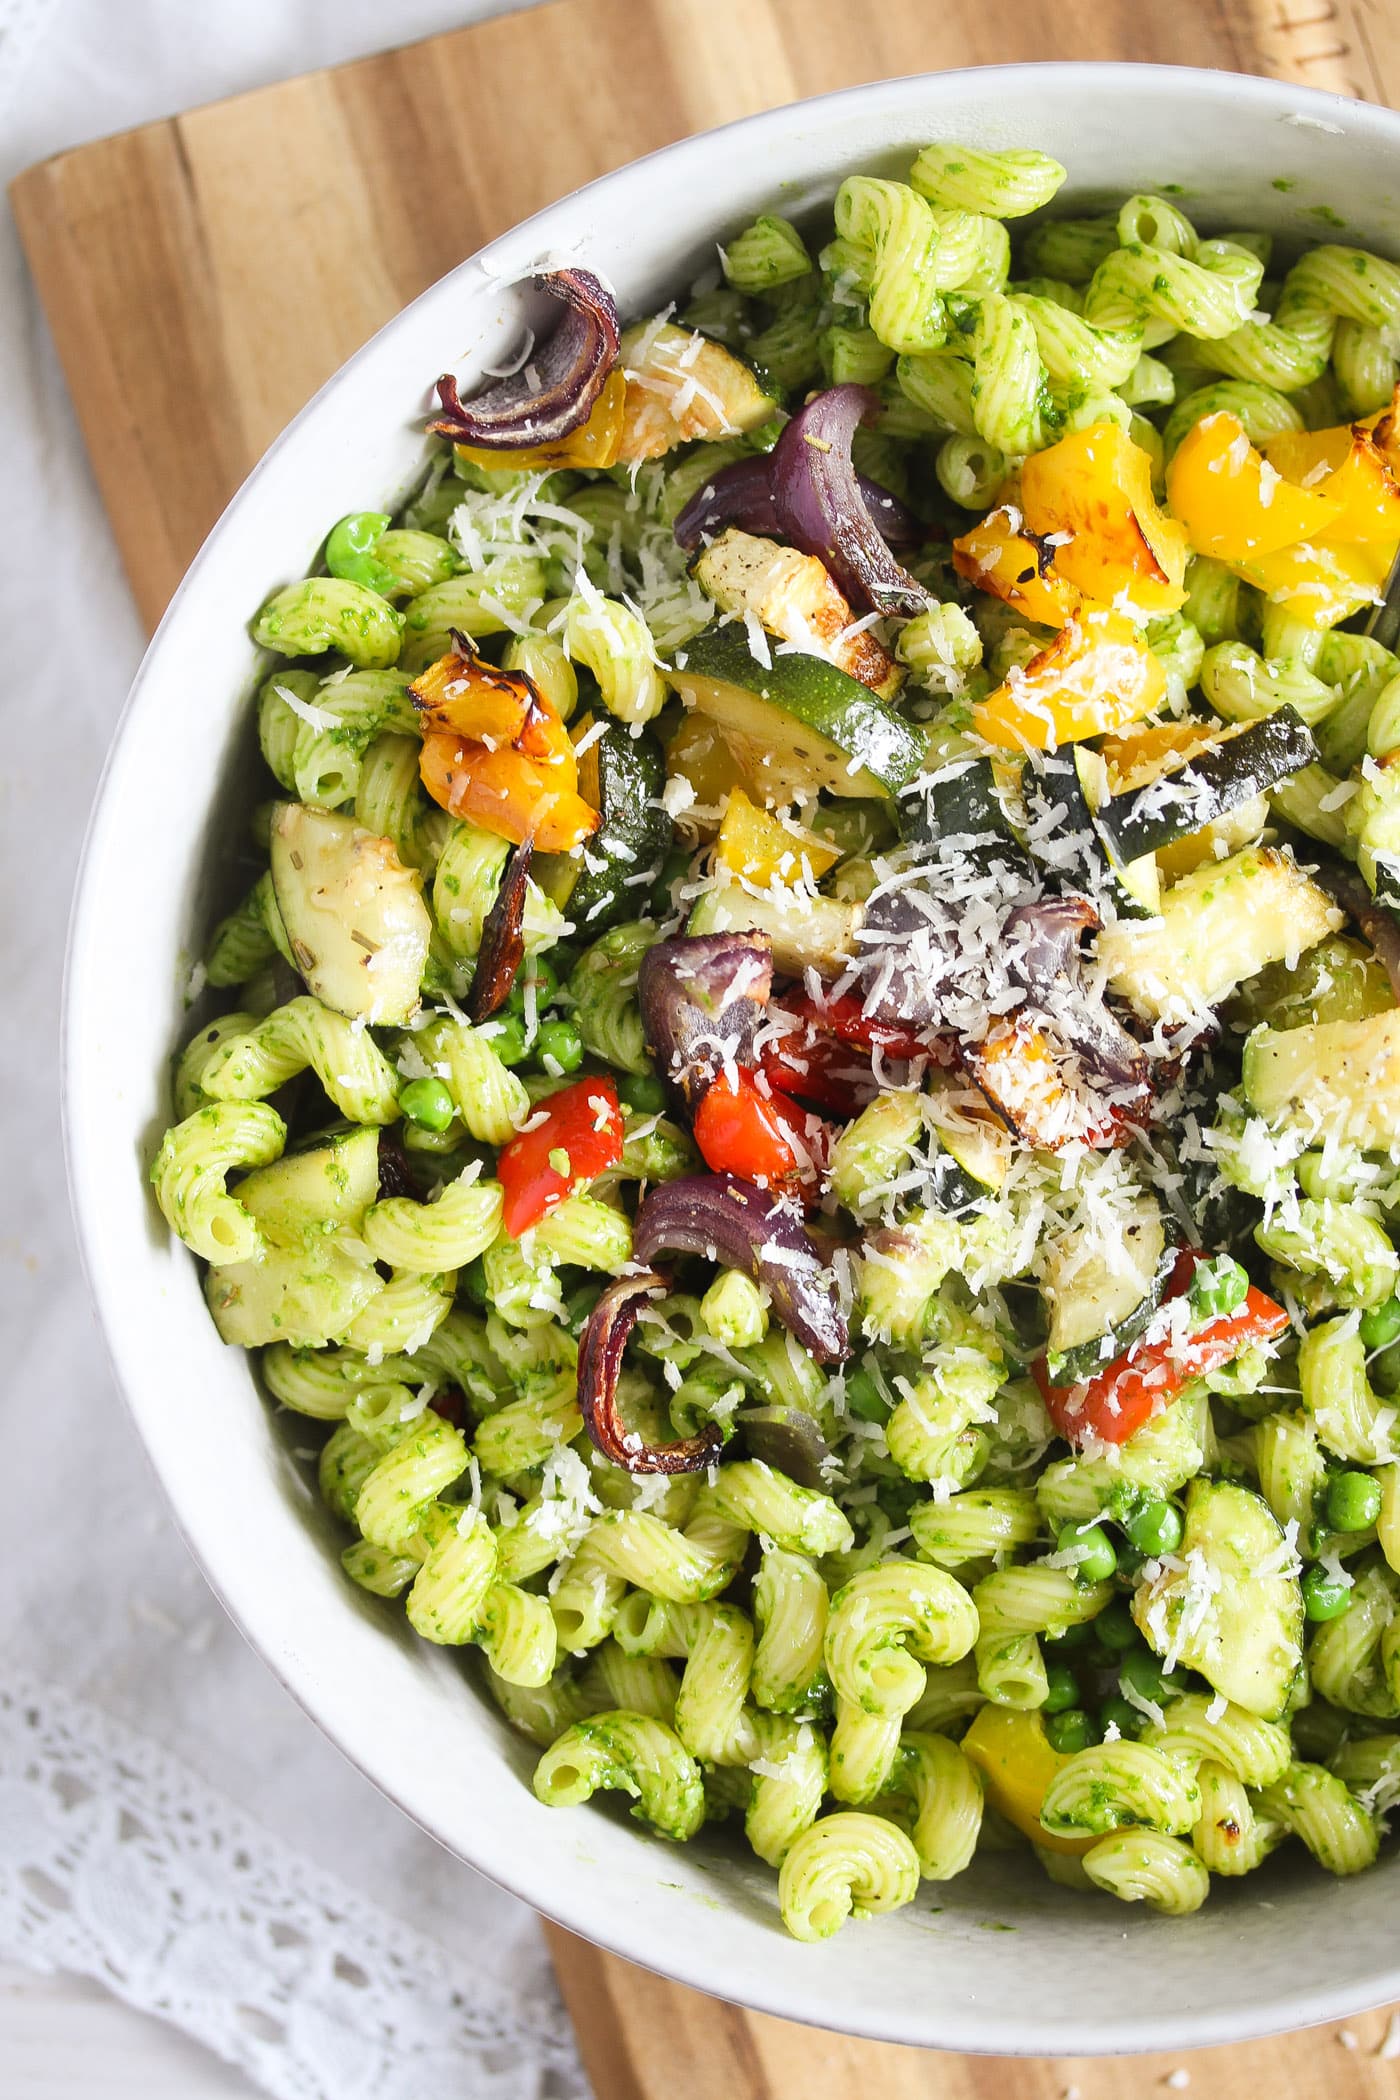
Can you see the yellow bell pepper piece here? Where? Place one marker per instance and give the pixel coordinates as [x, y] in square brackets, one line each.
[1122, 549]
[1018, 1761]
[1319, 583]
[1346, 466]
[1233, 503]
[1097, 675]
[594, 444]
[757, 847]
[998, 557]
[699, 754]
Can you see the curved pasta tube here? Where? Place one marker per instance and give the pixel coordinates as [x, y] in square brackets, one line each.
[1351, 1659]
[1254, 1751]
[526, 1432]
[583, 1233]
[250, 936]
[448, 1596]
[1229, 1838]
[521, 1283]
[447, 1233]
[798, 1519]
[390, 1505]
[1207, 293]
[717, 1643]
[974, 1525]
[489, 1098]
[192, 1167]
[403, 1314]
[545, 662]
[1388, 1522]
[735, 1310]
[186, 1091]
[348, 1457]
[1364, 367]
[617, 646]
[944, 1792]
[456, 1353]
[1069, 249]
[940, 646]
[541, 1713]
[1291, 1468]
[1263, 410]
[1243, 687]
[382, 1574]
[1336, 1241]
[603, 988]
[885, 1624]
[863, 1750]
[1115, 1786]
[316, 746]
[389, 803]
[951, 1695]
[1014, 1606]
[347, 1062]
[790, 1605]
[1161, 1457]
[496, 599]
[942, 384]
[517, 1634]
[328, 612]
[1004, 185]
[1291, 350]
[1351, 1418]
[892, 231]
[789, 1782]
[934, 1433]
[1314, 1805]
[1370, 1769]
[1143, 1866]
[683, 1567]
[642, 1684]
[1074, 352]
[846, 1865]
[632, 1754]
[466, 883]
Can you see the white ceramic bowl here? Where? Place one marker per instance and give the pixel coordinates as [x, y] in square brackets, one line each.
[1074, 1974]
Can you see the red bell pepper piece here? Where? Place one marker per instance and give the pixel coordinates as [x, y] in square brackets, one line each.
[1116, 1402]
[817, 1068]
[847, 1020]
[580, 1136]
[761, 1135]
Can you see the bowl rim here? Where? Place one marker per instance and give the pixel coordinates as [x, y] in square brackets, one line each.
[515, 1869]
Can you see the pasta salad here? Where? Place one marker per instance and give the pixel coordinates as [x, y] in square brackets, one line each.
[810, 1090]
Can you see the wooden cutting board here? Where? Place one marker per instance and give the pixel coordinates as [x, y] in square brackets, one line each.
[204, 275]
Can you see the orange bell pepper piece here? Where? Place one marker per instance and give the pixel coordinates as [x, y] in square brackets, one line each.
[998, 556]
[1358, 477]
[1017, 1761]
[1096, 486]
[463, 695]
[1097, 675]
[594, 444]
[505, 792]
[1233, 503]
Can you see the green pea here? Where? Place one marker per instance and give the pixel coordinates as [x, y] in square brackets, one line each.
[1142, 1671]
[506, 1035]
[1218, 1287]
[1122, 1715]
[642, 1092]
[537, 972]
[1063, 1689]
[1322, 1597]
[1095, 1559]
[1114, 1629]
[1353, 1501]
[1155, 1527]
[1070, 1731]
[864, 1398]
[561, 1042]
[428, 1103]
[1381, 1326]
[471, 1281]
[350, 550]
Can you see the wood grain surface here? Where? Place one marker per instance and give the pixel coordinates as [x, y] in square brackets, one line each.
[351, 191]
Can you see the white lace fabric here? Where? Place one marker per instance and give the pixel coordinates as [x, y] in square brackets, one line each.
[116, 1862]
[170, 1823]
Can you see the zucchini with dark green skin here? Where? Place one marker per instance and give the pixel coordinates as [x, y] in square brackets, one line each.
[621, 776]
[1179, 800]
[958, 811]
[798, 723]
[1071, 1366]
[1061, 797]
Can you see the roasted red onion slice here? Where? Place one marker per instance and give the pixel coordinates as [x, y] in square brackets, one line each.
[820, 507]
[787, 1439]
[749, 1229]
[600, 1351]
[556, 390]
[702, 997]
[742, 494]
[395, 1174]
[1042, 956]
[502, 939]
[1375, 922]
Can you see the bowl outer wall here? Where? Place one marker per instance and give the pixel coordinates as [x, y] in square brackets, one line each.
[1068, 1979]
